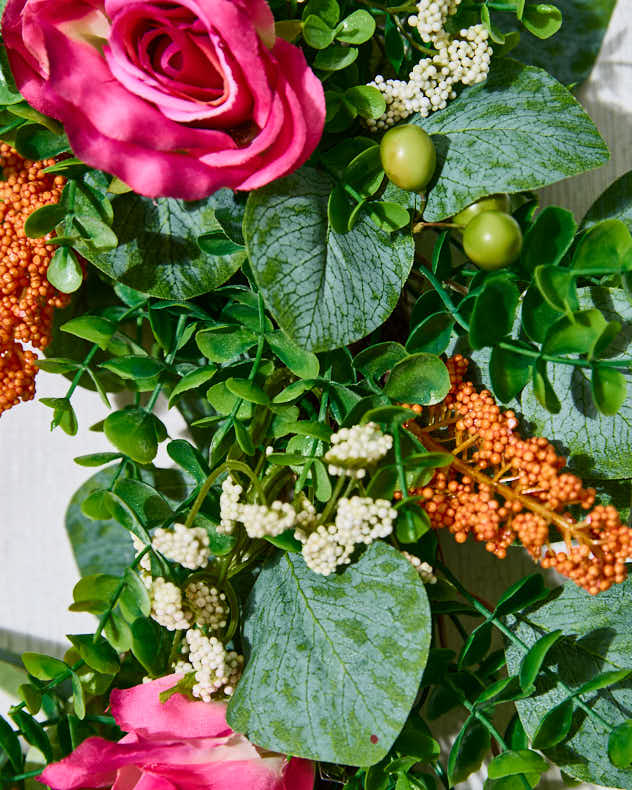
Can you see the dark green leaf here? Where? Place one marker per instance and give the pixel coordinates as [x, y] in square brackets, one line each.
[534, 660]
[620, 745]
[158, 253]
[78, 697]
[516, 762]
[357, 28]
[549, 238]
[493, 312]
[134, 367]
[132, 432]
[555, 726]
[520, 595]
[468, 751]
[603, 680]
[477, 645]
[301, 362]
[432, 335]
[43, 667]
[98, 655]
[317, 33]
[10, 744]
[543, 389]
[420, 378]
[224, 343]
[43, 220]
[537, 314]
[91, 327]
[191, 381]
[609, 390]
[248, 390]
[33, 733]
[509, 373]
[602, 248]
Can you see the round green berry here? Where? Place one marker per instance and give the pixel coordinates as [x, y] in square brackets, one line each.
[408, 157]
[492, 203]
[492, 240]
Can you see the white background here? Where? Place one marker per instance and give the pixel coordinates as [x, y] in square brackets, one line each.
[38, 476]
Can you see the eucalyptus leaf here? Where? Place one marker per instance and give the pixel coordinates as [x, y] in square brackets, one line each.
[324, 288]
[157, 250]
[518, 130]
[334, 662]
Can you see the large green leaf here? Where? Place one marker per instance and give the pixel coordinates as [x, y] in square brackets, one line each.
[325, 289]
[570, 54]
[158, 251]
[602, 625]
[597, 445]
[521, 129]
[104, 546]
[335, 663]
[614, 203]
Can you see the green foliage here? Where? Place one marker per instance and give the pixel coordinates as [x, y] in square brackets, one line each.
[322, 296]
[535, 133]
[366, 667]
[600, 642]
[164, 230]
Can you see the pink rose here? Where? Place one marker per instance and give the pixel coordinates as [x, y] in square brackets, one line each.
[175, 745]
[176, 98]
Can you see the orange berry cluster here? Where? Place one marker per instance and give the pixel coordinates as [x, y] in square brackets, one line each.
[502, 487]
[27, 299]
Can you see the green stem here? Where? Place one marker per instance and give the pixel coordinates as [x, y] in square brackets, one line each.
[169, 361]
[478, 715]
[322, 413]
[202, 494]
[117, 594]
[333, 501]
[77, 378]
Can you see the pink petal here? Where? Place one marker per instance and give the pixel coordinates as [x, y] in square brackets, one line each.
[234, 775]
[139, 709]
[299, 775]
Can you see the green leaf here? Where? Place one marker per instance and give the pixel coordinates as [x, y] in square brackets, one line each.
[555, 726]
[575, 334]
[148, 644]
[609, 390]
[376, 360]
[158, 252]
[335, 58]
[98, 655]
[248, 390]
[91, 327]
[96, 588]
[602, 248]
[43, 667]
[31, 696]
[419, 378]
[10, 744]
[522, 124]
[614, 203]
[64, 271]
[477, 645]
[493, 312]
[394, 44]
[189, 458]
[536, 314]
[549, 238]
[557, 286]
[224, 343]
[216, 242]
[620, 745]
[144, 500]
[191, 381]
[602, 632]
[368, 101]
[33, 141]
[317, 33]
[516, 762]
[542, 20]
[509, 373]
[432, 335]
[520, 595]
[132, 431]
[387, 216]
[33, 733]
[604, 680]
[102, 546]
[597, 446]
[9, 93]
[468, 751]
[322, 295]
[134, 367]
[367, 669]
[543, 389]
[357, 28]
[96, 459]
[96, 232]
[534, 660]
[118, 633]
[43, 220]
[78, 697]
[301, 362]
[244, 440]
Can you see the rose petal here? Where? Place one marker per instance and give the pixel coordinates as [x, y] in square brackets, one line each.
[250, 774]
[299, 775]
[139, 709]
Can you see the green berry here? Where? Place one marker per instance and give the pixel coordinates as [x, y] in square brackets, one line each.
[492, 203]
[408, 157]
[492, 240]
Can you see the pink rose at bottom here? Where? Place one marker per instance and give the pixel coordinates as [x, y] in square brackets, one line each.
[176, 745]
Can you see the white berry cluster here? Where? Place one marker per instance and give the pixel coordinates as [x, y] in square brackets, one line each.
[463, 59]
[217, 671]
[166, 605]
[207, 604]
[353, 449]
[259, 521]
[358, 520]
[187, 546]
[229, 506]
[423, 568]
